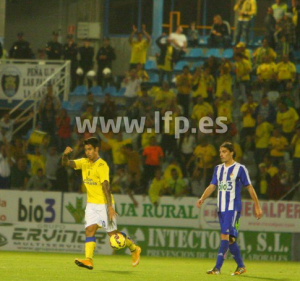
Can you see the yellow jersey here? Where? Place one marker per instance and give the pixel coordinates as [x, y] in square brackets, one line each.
[224, 109]
[296, 143]
[266, 71]
[202, 110]
[139, 51]
[224, 84]
[205, 83]
[118, 156]
[248, 120]
[93, 175]
[277, 146]
[285, 71]
[205, 155]
[243, 69]
[155, 189]
[287, 119]
[262, 135]
[36, 162]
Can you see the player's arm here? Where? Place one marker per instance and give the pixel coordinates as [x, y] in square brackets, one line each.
[207, 192]
[107, 192]
[258, 211]
[65, 159]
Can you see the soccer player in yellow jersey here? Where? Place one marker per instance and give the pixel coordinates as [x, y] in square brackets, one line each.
[100, 211]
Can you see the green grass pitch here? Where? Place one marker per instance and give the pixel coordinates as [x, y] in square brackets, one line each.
[15, 266]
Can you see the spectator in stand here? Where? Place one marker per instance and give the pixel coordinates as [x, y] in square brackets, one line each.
[263, 51]
[168, 170]
[262, 137]
[86, 63]
[296, 19]
[132, 85]
[220, 33]
[5, 165]
[152, 159]
[203, 84]
[285, 72]
[179, 43]
[108, 108]
[263, 181]
[70, 52]
[157, 188]
[50, 97]
[280, 183]
[133, 160]
[282, 48]
[48, 120]
[266, 72]
[17, 149]
[201, 109]
[19, 176]
[163, 96]
[278, 145]
[241, 48]
[7, 125]
[37, 161]
[21, 49]
[205, 153]
[53, 48]
[296, 155]
[246, 9]
[270, 24]
[139, 47]
[141, 73]
[105, 56]
[288, 29]
[90, 101]
[62, 178]
[166, 58]
[51, 165]
[266, 110]
[176, 186]
[242, 72]
[193, 35]
[168, 141]
[186, 146]
[224, 107]
[279, 8]
[287, 118]
[39, 182]
[184, 84]
[213, 64]
[224, 79]
[248, 109]
[63, 125]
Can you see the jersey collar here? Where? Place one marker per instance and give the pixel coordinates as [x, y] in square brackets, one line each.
[229, 166]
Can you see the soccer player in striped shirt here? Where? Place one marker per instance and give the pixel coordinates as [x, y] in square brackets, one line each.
[229, 178]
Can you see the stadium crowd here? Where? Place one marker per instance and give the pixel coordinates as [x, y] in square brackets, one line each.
[258, 92]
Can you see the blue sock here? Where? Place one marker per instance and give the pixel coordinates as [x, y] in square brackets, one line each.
[221, 255]
[236, 254]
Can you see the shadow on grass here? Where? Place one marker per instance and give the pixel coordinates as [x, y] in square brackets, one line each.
[264, 278]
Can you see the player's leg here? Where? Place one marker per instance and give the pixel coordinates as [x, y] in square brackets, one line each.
[92, 223]
[234, 247]
[223, 219]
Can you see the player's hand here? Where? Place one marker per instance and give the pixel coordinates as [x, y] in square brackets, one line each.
[68, 150]
[111, 213]
[199, 202]
[258, 212]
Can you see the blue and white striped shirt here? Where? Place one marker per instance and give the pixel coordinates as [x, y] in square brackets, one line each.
[229, 181]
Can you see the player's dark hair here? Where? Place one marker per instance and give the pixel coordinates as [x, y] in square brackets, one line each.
[92, 141]
[229, 146]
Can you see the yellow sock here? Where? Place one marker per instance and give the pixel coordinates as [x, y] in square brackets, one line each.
[130, 244]
[89, 249]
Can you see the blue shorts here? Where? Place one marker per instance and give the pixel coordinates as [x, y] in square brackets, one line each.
[229, 222]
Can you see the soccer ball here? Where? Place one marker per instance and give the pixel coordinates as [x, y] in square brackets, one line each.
[117, 241]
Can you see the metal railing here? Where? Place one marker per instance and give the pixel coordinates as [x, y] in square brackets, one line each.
[60, 81]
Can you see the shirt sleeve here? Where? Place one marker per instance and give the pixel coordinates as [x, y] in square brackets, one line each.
[79, 163]
[103, 172]
[214, 180]
[244, 176]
